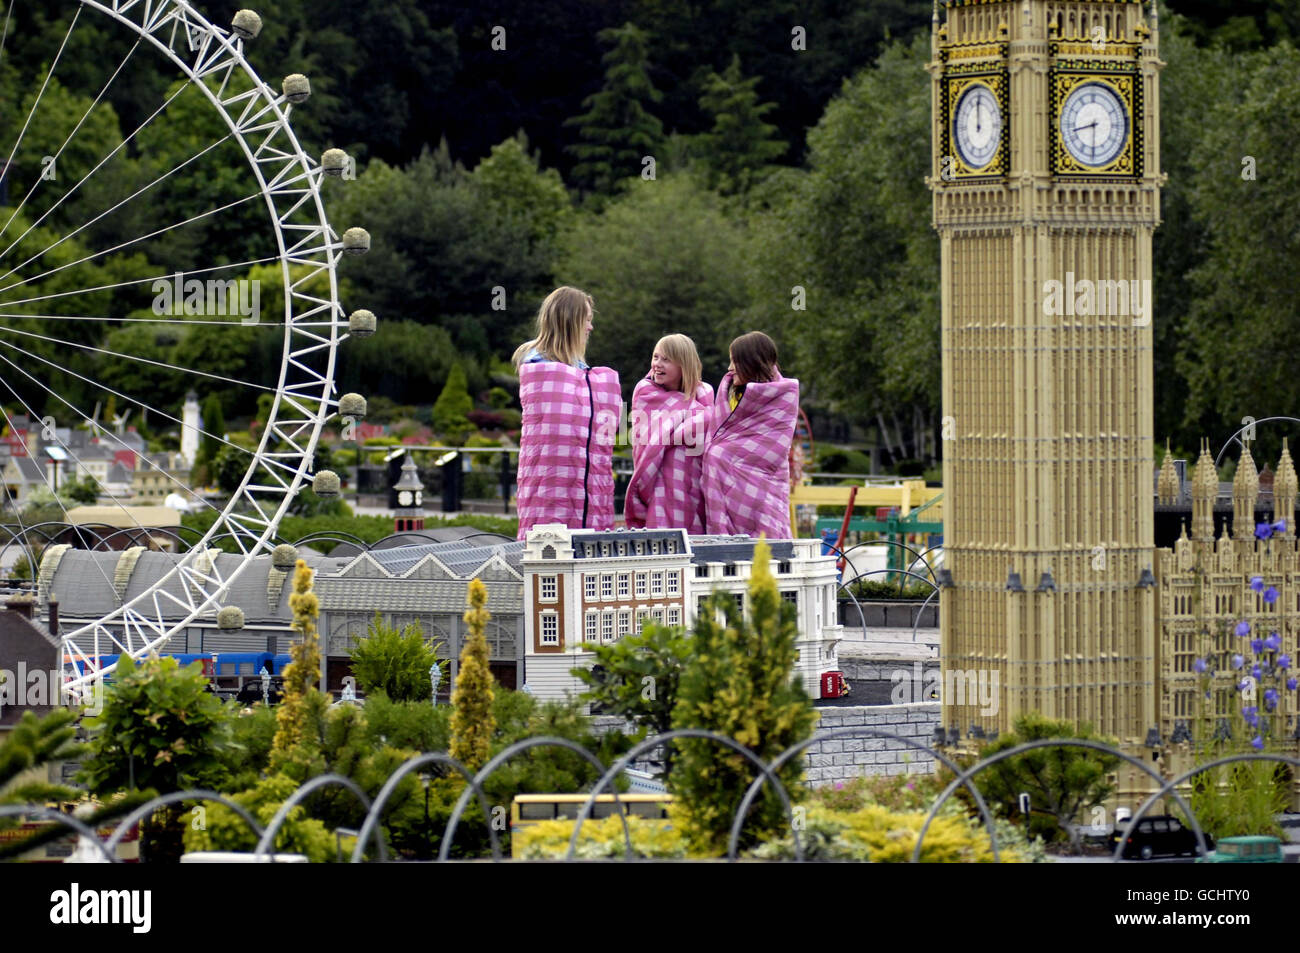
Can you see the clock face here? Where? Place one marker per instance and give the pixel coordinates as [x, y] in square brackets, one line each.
[977, 126]
[404, 498]
[1094, 125]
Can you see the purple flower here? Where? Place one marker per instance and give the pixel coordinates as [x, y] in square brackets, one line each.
[1270, 595]
[839, 786]
[1238, 661]
[1200, 665]
[1279, 526]
[1263, 530]
[1257, 583]
[1251, 715]
[1256, 672]
[1243, 628]
[1257, 743]
[1291, 684]
[1257, 645]
[1273, 642]
[1244, 684]
[1283, 662]
[1270, 699]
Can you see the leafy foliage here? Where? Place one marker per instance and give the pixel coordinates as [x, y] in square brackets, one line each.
[472, 721]
[449, 411]
[294, 747]
[394, 662]
[740, 683]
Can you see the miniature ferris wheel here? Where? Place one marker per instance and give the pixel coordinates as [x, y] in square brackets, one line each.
[79, 283]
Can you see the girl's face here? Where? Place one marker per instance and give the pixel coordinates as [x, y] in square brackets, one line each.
[737, 378]
[667, 374]
[586, 329]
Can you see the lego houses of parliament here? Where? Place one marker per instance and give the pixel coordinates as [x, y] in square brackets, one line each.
[1046, 190]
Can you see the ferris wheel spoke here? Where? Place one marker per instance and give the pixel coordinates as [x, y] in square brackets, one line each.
[101, 386]
[133, 241]
[138, 281]
[141, 360]
[94, 425]
[9, 8]
[160, 320]
[44, 85]
[114, 151]
[59, 151]
[80, 228]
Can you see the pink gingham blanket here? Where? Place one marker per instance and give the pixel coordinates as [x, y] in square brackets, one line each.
[566, 446]
[667, 430]
[747, 460]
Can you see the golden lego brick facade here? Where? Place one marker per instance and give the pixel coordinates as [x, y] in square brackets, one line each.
[1046, 195]
[1205, 591]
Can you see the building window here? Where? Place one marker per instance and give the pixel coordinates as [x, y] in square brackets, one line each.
[624, 584]
[674, 615]
[640, 584]
[654, 546]
[550, 628]
[589, 587]
[607, 586]
[699, 605]
[658, 615]
[740, 600]
[791, 597]
[641, 615]
[604, 549]
[622, 549]
[656, 584]
[729, 569]
[783, 567]
[549, 588]
[548, 552]
[593, 625]
[624, 621]
[607, 627]
[670, 546]
[701, 572]
[640, 547]
[674, 584]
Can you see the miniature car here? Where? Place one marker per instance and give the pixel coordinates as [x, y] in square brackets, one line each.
[1253, 849]
[1160, 836]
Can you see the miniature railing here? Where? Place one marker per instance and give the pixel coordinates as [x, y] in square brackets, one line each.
[765, 773]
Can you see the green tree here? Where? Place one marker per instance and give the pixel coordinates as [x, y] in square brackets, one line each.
[395, 662]
[664, 257]
[453, 405]
[637, 678]
[1062, 782]
[740, 682]
[513, 182]
[214, 428]
[618, 128]
[472, 721]
[295, 747]
[740, 146]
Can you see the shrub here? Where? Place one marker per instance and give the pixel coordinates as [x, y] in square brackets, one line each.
[601, 839]
[394, 662]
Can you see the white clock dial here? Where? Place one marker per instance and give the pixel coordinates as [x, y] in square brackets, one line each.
[419, 498]
[977, 126]
[1094, 124]
[404, 498]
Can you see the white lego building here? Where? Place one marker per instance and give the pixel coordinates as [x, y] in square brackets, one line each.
[596, 586]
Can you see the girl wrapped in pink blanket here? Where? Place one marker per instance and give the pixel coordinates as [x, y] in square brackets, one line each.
[570, 420]
[671, 410]
[747, 458]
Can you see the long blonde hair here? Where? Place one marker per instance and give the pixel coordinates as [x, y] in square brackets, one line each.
[680, 349]
[561, 321]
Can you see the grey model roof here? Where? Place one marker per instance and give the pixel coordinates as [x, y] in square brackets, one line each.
[581, 540]
[734, 549]
[461, 558]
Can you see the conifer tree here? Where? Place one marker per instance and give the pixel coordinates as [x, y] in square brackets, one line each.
[618, 129]
[472, 721]
[302, 700]
[741, 145]
[450, 411]
[741, 683]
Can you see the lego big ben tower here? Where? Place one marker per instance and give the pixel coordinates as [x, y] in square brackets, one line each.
[1046, 194]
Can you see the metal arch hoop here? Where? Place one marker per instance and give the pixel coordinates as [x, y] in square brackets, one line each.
[67, 820]
[1235, 437]
[975, 769]
[291, 193]
[198, 794]
[894, 542]
[267, 842]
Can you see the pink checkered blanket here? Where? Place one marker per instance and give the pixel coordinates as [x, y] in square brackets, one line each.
[747, 460]
[566, 446]
[667, 430]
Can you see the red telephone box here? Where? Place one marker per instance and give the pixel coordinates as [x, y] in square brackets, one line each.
[834, 685]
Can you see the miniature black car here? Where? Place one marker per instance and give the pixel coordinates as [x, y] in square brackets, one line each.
[1160, 836]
